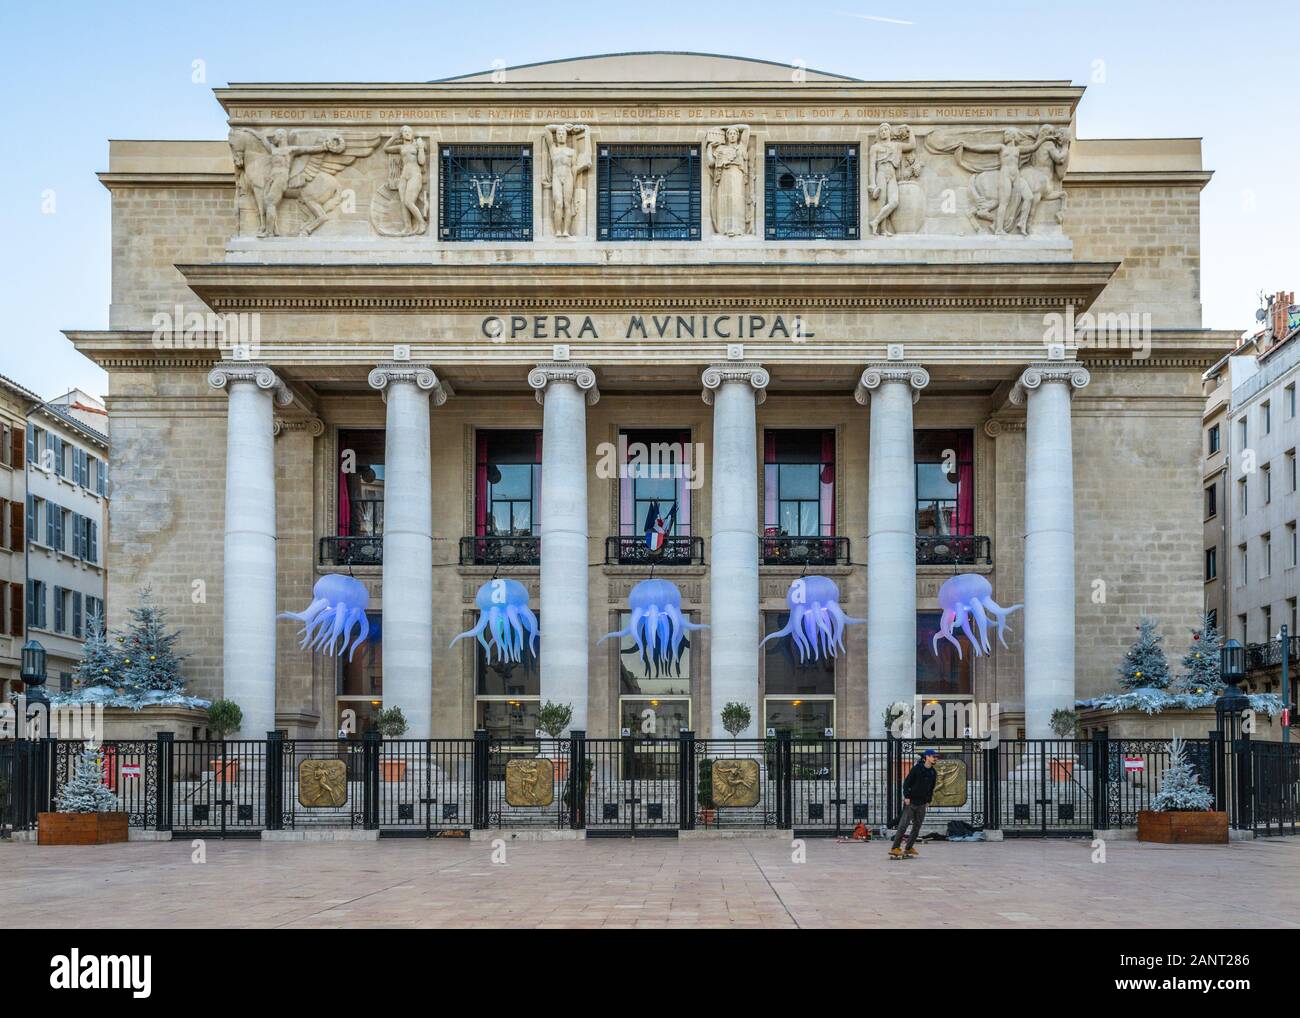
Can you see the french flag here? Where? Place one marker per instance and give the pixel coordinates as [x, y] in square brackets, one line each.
[657, 527]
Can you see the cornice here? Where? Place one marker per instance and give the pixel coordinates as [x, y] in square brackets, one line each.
[421, 287]
[126, 181]
[1140, 178]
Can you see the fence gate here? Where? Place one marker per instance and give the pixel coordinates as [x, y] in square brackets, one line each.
[217, 788]
[962, 787]
[1274, 787]
[1046, 787]
[635, 786]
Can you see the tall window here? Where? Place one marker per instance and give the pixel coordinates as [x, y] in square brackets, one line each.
[361, 679]
[798, 696]
[799, 483]
[507, 695]
[507, 482]
[485, 192]
[1213, 439]
[811, 192]
[1211, 563]
[1291, 546]
[361, 483]
[1266, 417]
[648, 192]
[1290, 470]
[657, 463]
[944, 673]
[1288, 397]
[1211, 501]
[652, 703]
[945, 482]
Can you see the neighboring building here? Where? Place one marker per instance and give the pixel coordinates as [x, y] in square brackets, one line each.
[15, 402]
[66, 526]
[475, 296]
[1261, 437]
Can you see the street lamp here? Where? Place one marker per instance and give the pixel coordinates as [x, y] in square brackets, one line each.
[1232, 701]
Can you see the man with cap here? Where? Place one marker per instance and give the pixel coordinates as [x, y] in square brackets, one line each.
[918, 790]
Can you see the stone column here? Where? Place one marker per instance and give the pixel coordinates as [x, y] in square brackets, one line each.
[734, 389]
[1045, 390]
[407, 597]
[891, 388]
[565, 391]
[248, 586]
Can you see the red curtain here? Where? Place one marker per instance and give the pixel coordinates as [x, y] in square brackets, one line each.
[480, 483]
[828, 484]
[345, 503]
[965, 484]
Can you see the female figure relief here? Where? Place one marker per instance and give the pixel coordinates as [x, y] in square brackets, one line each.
[409, 183]
[568, 157]
[726, 154]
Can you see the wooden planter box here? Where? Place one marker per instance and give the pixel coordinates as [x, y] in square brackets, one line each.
[393, 770]
[1183, 828]
[80, 828]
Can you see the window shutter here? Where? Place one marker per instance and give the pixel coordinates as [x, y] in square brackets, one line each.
[16, 451]
[31, 517]
[92, 535]
[16, 609]
[16, 535]
[32, 456]
[102, 470]
[78, 537]
[76, 465]
[57, 446]
[60, 623]
[51, 514]
[76, 613]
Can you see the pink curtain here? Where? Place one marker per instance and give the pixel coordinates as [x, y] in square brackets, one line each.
[480, 484]
[828, 484]
[345, 504]
[965, 484]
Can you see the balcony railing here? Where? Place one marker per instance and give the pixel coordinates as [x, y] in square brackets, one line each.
[500, 551]
[1261, 656]
[804, 551]
[952, 550]
[630, 550]
[352, 551]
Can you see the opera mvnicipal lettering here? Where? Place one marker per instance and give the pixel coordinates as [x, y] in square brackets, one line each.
[680, 327]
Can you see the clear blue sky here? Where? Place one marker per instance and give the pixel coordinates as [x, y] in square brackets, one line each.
[74, 74]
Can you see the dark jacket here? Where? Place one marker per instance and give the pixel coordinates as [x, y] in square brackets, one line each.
[918, 786]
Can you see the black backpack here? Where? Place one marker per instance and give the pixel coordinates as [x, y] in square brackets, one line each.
[959, 829]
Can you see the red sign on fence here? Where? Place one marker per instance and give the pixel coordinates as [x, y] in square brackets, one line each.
[130, 770]
[1135, 763]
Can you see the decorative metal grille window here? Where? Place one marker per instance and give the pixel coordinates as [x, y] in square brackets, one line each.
[485, 192]
[648, 192]
[811, 192]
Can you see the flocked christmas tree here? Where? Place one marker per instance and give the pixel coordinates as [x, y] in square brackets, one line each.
[1180, 788]
[1202, 665]
[1144, 666]
[101, 663]
[149, 661]
[85, 791]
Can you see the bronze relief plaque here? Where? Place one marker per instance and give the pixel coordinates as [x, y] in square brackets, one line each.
[735, 783]
[529, 783]
[949, 783]
[322, 783]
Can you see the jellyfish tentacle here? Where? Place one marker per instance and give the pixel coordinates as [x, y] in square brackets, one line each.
[363, 629]
[982, 622]
[530, 624]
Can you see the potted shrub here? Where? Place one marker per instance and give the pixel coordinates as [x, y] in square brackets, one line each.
[553, 718]
[1182, 811]
[391, 724]
[88, 812]
[224, 717]
[1064, 723]
[704, 794]
[736, 718]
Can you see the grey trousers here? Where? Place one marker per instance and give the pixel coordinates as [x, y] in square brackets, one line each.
[913, 815]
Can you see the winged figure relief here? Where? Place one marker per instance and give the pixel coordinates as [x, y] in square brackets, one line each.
[300, 165]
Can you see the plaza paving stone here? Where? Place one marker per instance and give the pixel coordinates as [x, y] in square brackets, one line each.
[650, 883]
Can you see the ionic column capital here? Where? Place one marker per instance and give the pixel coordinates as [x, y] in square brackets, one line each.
[227, 373]
[580, 375]
[1070, 373]
[908, 372]
[420, 375]
[716, 375]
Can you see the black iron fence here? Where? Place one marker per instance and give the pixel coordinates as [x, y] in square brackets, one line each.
[676, 550]
[643, 786]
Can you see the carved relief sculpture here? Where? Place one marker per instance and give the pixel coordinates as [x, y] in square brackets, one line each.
[529, 783]
[566, 158]
[322, 783]
[301, 165]
[726, 154]
[1006, 194]
[890, 162]
[735, 783]
[400, 206]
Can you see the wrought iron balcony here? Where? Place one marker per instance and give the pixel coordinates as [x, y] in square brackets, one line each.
[952, 550]
[804, 551]
[1262, 656]
[630, 550]
[500, 551]
[352, 551]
